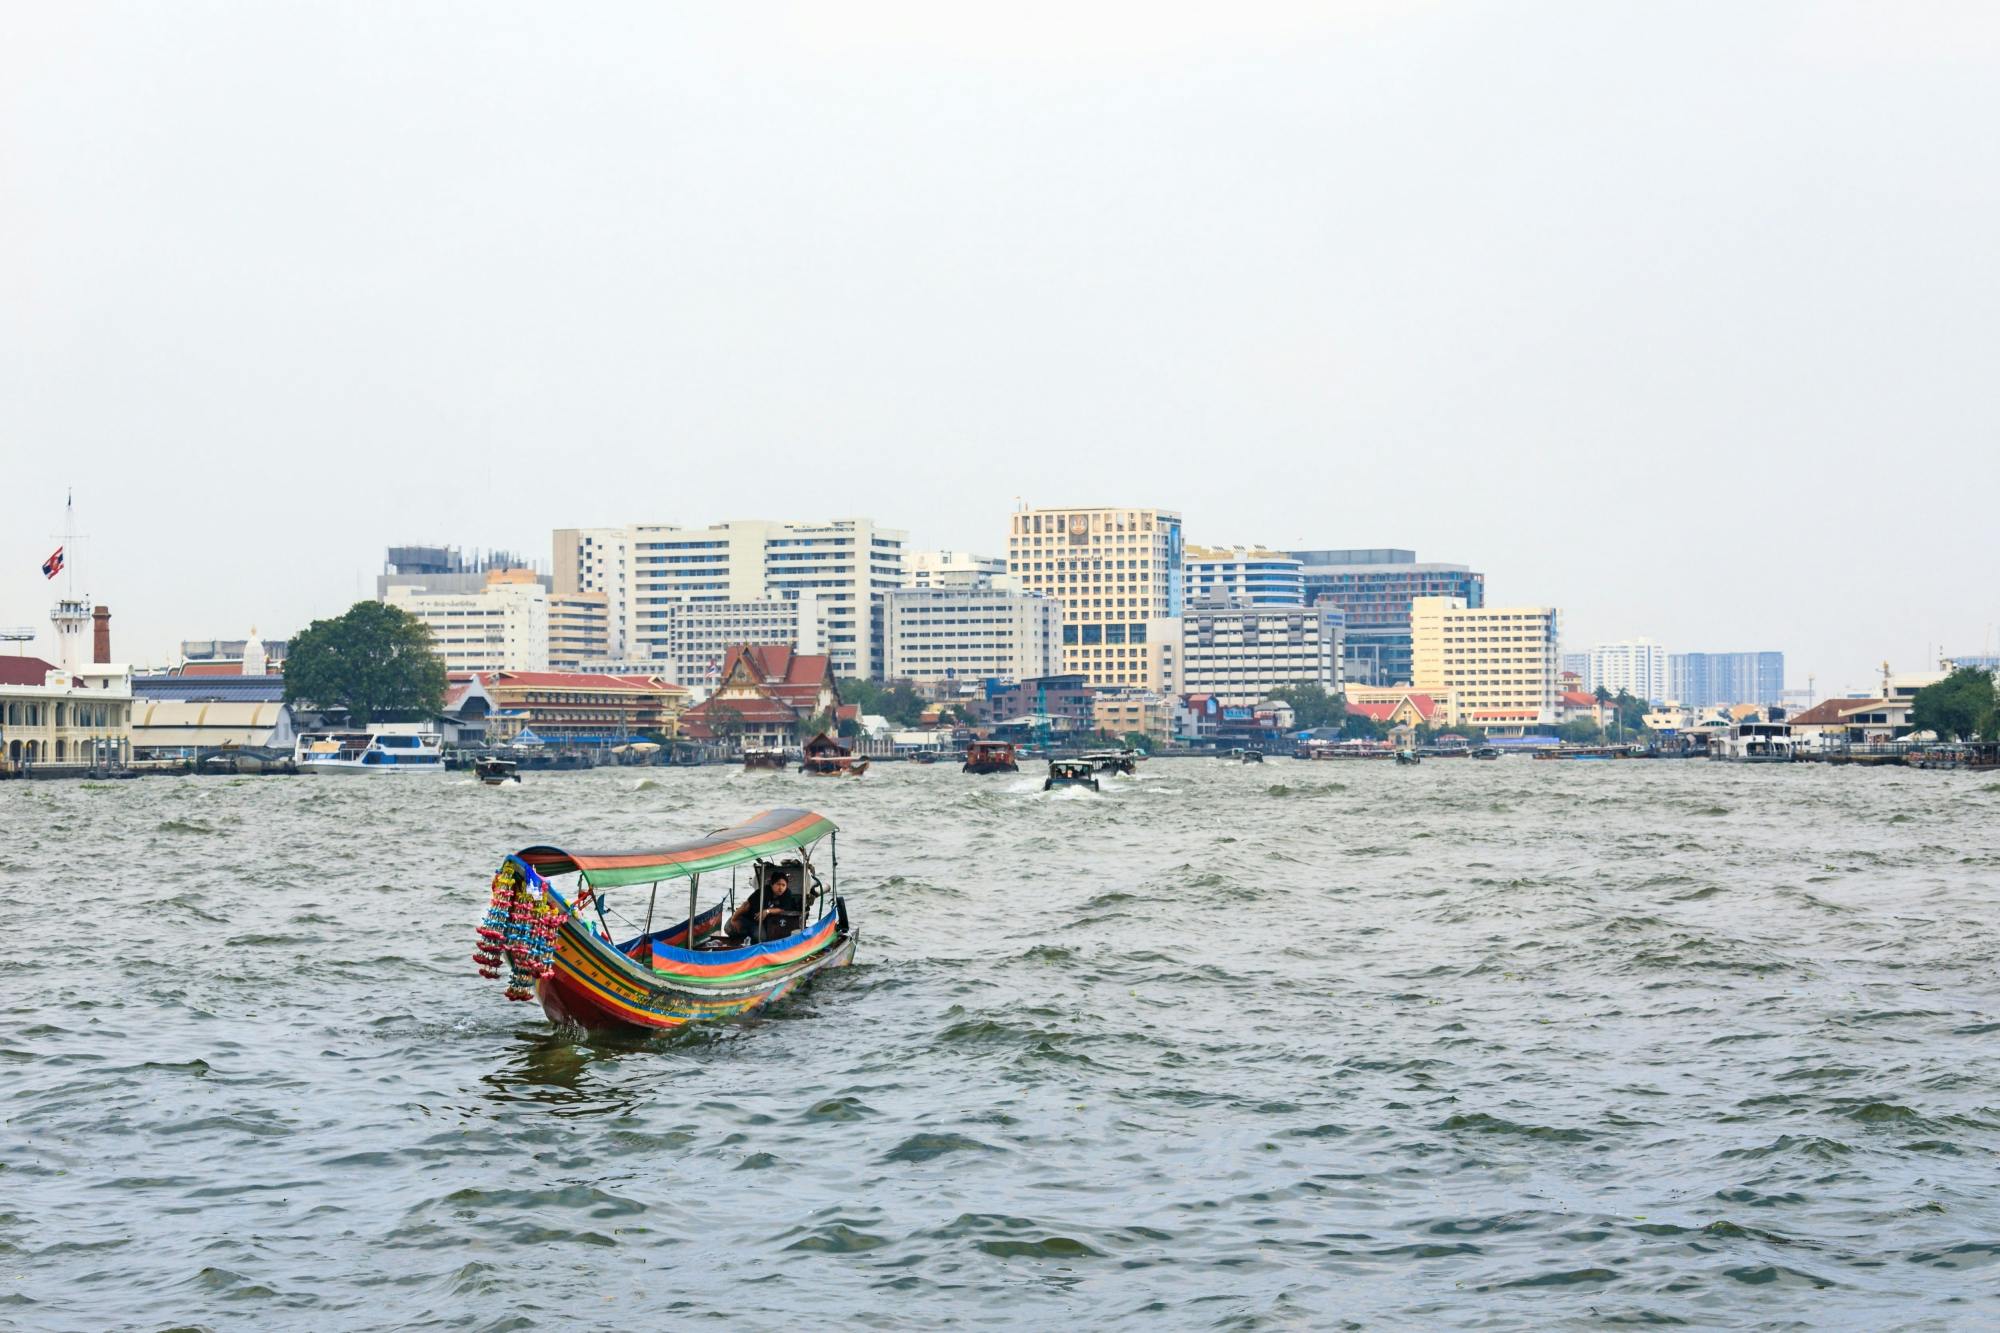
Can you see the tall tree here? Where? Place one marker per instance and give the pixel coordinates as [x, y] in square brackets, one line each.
[375, 661]
[1312, 706]
[1959, 706]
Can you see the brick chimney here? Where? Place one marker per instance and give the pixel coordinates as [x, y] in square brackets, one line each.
[101, 640]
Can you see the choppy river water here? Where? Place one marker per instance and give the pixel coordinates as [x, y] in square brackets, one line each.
[1496, 1045]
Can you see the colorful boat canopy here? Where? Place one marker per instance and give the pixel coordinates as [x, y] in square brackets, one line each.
[770, 834]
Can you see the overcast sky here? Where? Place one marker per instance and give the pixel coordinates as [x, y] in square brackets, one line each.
[1684, 318]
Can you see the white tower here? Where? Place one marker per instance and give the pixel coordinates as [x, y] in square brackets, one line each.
[71, 618]
[253, 655]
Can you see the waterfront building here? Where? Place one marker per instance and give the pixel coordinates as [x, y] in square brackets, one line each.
[766, 697]
[1375, 587]
[1240, 652]
[952, 569]
[1499, 663]
[577, 707]
[1122, 713]
[965, 632]
[1115, 572]
[1406, 709]
[1636, 666]
[1261, 577]
[1855, 721]
[1061, 702]
[503, 626]
[1703, 680]
[177, 713]
[75, 710]
[847, 565]
[579, 629]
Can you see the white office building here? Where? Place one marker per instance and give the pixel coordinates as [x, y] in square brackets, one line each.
[971, 633]
[1240, 652]
[953, 569]
[1637, 666]
[845, 565]
[1264, 578]
[502, 627]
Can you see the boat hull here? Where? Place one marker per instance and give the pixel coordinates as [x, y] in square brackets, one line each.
[595, 988]
[344, 767]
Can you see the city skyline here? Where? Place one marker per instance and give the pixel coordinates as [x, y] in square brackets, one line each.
[1620, 332]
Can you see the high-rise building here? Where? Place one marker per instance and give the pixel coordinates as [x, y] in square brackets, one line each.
[1636, 666]
[596, 560]
[579, 630]
[1706, 680]
[1117, 573]
[970, 634]
[1240, 652]
[847, 565]
[1375, 587]
[504, 626]
[1499, 663]
[1264, 578]
[952, 569]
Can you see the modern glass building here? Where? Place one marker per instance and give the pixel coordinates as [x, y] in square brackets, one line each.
[1705, 680]
[1373, 587]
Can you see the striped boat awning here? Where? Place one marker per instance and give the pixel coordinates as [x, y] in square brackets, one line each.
[769, 834]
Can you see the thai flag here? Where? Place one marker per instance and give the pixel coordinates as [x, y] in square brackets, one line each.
[53, 565]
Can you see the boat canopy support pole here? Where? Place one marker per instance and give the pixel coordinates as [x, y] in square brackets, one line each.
[650, 900]
[694, 887]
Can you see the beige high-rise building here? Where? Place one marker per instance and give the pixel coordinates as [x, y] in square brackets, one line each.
[1499, 665]
[502, 627]
[1117, 574]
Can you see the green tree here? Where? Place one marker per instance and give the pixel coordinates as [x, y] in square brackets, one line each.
[375, 661]
[725, 723]
[1959, 706]
[1359, 727]
[1580, 731]
[1312, 706]
[899, 703]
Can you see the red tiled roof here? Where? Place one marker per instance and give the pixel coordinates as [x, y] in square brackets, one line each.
[1830, 712]
[1374, 712]
[1579, 699]
[24, 670]
[211, 669]
[574, 680]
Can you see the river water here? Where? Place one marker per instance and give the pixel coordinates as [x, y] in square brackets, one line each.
[1493, 1045]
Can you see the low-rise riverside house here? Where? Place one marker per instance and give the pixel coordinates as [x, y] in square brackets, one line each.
[502, 626]
[1117, 573]
[647, 570]
[1121, 713]
[1240, 651]
[74, 711]
[970, 633]
[576, 707]
[1500, 663]
[1851, 722]
[1245, 573]
[1404, 708]
[579, 629]
[766, 698]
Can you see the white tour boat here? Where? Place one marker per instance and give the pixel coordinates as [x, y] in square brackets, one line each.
[1755, 743]
[369, 752]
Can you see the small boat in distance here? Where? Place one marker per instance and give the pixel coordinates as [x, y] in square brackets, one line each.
[763, 761]
[548, 933]
[826, 757]
[368, 752]
[1247, 755]
[1070, 773]
[1408, 757]
[1114, 761]
[493, 772]
[990, 757]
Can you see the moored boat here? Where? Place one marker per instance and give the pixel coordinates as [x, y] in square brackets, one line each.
[1756, 743]
[369, 752]
[990, 757]
[548, 928]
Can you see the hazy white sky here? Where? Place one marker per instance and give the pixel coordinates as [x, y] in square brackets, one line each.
[1685, 318]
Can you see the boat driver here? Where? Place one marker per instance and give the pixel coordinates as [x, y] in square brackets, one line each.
[771, 913]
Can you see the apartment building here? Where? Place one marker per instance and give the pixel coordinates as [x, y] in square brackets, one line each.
[970, 633]
[579, 629]
[598, 560]
[1117, 573]
[1240, 652]
[1499, 665]
[502, 627]
[1374, 587]
[845, 565]
[1636, 666]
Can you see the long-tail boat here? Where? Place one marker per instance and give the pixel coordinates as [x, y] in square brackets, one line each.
[825, 757]
[551, 935]
[990, 757]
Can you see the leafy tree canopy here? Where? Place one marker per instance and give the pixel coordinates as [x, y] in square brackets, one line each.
[1959, 706]
[899, 703]
[1312, 706]
[1140, 741]
[375, 661]
[1580, 731]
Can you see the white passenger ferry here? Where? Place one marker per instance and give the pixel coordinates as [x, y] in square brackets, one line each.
[368, 752]
[1755, 743]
